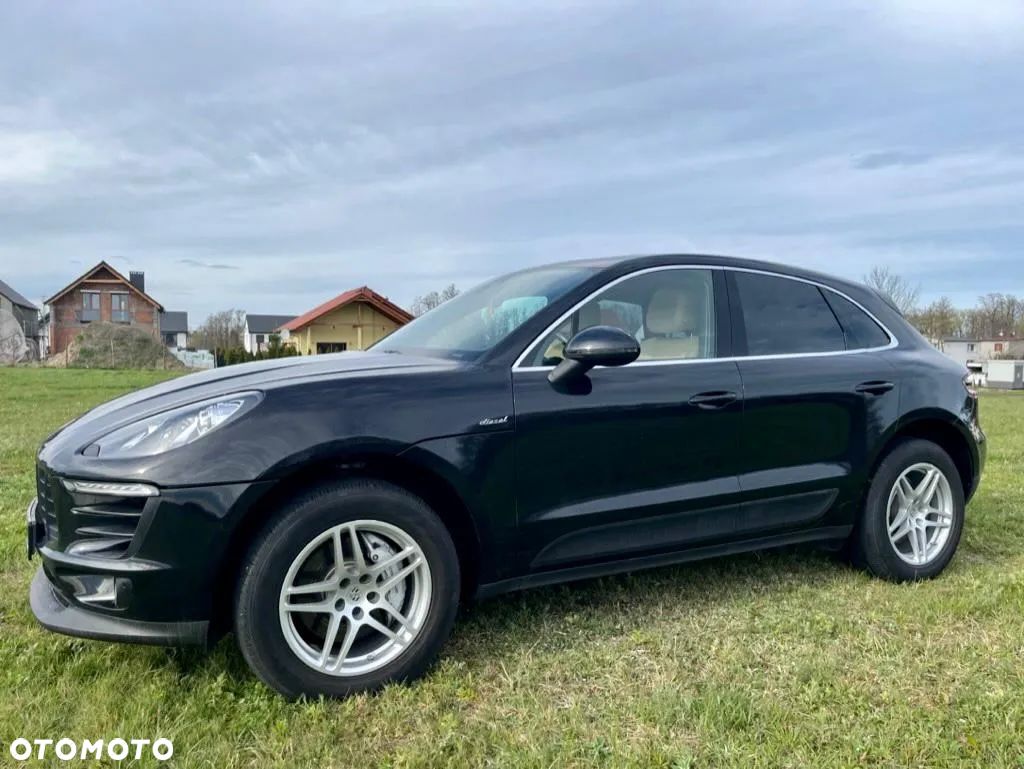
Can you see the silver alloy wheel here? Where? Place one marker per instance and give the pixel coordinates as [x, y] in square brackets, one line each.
[920, 513]
[355, 598]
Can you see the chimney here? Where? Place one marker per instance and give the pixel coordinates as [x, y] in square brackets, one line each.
[138, 279]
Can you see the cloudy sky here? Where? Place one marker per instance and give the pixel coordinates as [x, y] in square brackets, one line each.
[269, 157]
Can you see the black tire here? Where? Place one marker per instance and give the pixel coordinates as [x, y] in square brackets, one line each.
[257, 622]
[870, 545]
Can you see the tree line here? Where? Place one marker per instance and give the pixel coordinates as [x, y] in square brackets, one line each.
[228, 356]
[223, 334]
[428, 302]
[993, 315]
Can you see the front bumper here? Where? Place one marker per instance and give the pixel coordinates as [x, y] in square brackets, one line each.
[153, 572]
[979, 451]
[54, 612]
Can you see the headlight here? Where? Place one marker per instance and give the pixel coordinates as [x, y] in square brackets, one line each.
[171, 429]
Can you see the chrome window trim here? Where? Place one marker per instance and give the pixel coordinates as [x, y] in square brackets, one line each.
[893, 341]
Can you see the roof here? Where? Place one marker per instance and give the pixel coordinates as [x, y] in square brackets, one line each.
[265, 324]
[15, 297]
[117, 276]
[173, 322]
[362, 294]
[643, 261]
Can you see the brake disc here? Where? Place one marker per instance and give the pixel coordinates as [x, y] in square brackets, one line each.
[381, 550]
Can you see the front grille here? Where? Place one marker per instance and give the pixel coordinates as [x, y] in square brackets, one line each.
[99, 526]
[46, 509]
[104, 526]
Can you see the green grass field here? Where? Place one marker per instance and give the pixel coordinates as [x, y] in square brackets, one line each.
[778, 659]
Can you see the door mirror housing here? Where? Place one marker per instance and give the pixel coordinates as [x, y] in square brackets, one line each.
[595, 346]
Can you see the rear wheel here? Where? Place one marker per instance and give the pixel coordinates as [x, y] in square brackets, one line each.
[914, 515]
[353, 585]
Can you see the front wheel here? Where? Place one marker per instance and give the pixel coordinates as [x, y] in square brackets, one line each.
[353, 585]
[914, 514]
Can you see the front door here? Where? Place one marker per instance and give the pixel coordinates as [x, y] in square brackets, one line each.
[638, 459]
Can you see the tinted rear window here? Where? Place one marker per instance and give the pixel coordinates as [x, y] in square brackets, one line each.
[861, 331]
[783, 316]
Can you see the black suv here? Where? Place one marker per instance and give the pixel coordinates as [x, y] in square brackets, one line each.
[554, 424]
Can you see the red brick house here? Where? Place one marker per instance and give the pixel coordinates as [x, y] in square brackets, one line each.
[101, 294]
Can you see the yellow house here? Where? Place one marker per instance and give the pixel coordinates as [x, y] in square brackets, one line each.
[350, 321]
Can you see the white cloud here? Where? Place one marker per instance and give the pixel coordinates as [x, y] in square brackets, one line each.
[40, 157]
[981, 25]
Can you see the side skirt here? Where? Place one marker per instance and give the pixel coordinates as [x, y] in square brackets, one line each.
[662, 559]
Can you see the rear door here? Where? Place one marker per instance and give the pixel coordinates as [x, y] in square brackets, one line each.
[817, 397]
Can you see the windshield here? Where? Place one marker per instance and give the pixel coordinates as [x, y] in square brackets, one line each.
[472, 323]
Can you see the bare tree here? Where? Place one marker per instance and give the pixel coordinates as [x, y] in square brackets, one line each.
[221, 331]
[997, 315]
[938, 320]
[993, 316]
[895, 288]
[427, 302]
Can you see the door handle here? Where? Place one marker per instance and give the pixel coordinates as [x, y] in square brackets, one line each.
[874, 388]
[713, 400]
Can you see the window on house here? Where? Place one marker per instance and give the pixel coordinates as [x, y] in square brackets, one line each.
[999, 346]
[90, 307]
[259, 339]
[119, 308]
[970, 348]
[327, 347]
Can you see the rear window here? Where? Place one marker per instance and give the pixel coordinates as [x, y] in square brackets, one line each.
[861, 331]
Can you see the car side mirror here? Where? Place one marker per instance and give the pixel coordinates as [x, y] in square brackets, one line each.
[595, 346]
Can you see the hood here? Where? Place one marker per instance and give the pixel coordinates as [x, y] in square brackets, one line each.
[260, 375]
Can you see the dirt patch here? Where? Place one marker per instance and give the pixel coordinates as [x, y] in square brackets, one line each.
[107, 345]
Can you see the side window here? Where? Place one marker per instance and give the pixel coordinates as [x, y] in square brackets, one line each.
[670, 312]
[784, 317]
[861, 331]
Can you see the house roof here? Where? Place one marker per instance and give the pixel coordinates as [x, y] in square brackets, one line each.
[117, 276]
[362, 294]
[265, 324]
[978, 340]
[173, 322]
[15, 297]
